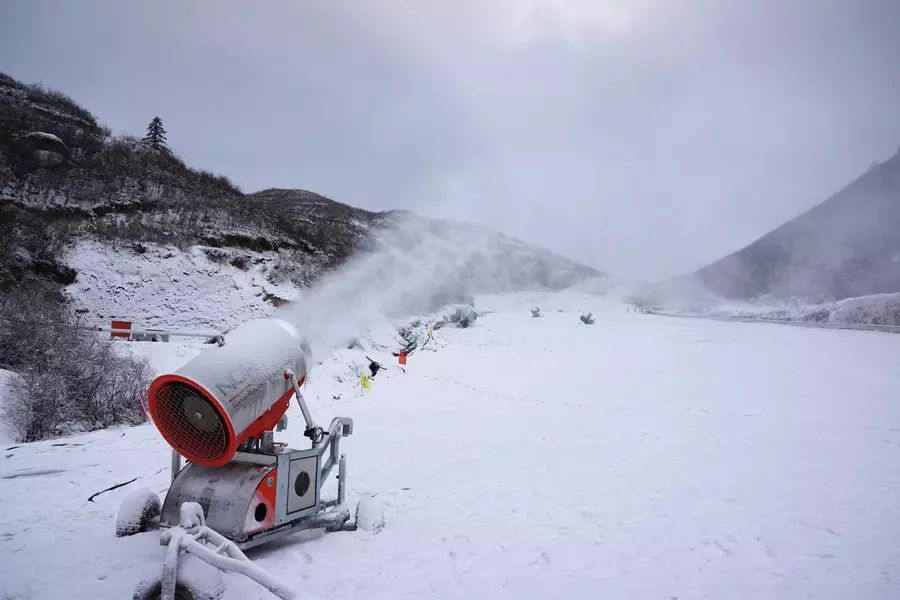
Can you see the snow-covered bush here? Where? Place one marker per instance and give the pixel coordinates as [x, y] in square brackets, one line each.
[216, 255]
[293, 266]
[877, 309]
[241, 261]
[72, 379]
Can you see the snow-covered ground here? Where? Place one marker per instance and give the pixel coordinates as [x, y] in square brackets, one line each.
[640, 457]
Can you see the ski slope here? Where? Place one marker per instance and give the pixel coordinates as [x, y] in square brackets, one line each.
[640, 457]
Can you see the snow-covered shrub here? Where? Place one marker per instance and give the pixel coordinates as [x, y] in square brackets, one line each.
[72, 379]
[274, 299]
[410, 335]
[42, 95]
[212, 180]
[293, 266]
[216, 255]
[241, 261]
[877, 309]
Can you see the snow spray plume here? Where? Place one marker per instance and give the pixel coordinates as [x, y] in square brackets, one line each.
[417, 265]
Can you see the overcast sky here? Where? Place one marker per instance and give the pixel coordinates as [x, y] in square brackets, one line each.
[643, 137]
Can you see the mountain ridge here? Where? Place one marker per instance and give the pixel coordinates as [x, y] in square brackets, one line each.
[116, 190]
[846, 246]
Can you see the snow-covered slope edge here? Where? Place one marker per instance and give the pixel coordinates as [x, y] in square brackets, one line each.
[877, 309]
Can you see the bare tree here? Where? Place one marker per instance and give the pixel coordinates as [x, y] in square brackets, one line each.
[70, 379]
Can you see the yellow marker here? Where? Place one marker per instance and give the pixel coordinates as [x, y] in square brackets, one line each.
[365, 382]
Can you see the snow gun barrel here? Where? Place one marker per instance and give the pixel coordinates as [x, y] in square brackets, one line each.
[231, 393]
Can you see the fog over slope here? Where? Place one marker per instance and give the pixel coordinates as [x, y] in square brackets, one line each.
[849, 245]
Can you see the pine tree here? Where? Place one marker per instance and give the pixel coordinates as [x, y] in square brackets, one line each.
[156, 135]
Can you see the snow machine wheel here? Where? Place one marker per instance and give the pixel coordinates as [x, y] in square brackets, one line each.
[370, 514]
[195, 580]
[138, 512]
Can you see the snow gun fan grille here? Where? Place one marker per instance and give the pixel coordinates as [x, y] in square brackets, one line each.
[190, 423]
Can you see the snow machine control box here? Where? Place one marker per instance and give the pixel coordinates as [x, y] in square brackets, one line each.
[253, 494]
[261, 495]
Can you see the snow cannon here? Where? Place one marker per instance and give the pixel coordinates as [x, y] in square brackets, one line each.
[220, 411]
[230, 394]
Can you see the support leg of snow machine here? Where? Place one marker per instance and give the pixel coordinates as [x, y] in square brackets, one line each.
[194, 580]
[369, 514]
[193, 537]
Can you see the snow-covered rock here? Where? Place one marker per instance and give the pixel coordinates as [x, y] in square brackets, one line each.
[44, 136]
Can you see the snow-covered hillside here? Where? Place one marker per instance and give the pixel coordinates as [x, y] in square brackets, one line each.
[640, 457]
[104, 199]
[417, 264]
[166, 287]
[847, 246]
